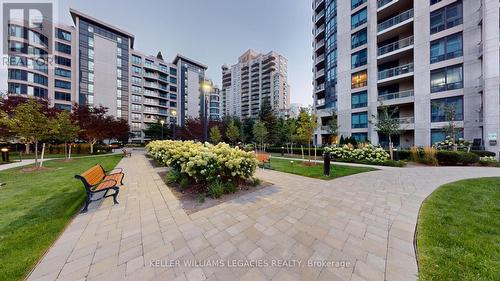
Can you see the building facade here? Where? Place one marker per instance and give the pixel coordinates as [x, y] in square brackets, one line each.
[94, 63]
[418, 58]
[255, 78]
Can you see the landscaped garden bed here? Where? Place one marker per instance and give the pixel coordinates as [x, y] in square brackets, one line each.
[458, 232]
[202, 175]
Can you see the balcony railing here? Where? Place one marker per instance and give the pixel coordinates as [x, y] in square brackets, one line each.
[320, 87]
[405, 120]
[395, 20]
[398, 70]
[320, 73]
[381, 3]
[320, 58]
[320, 29]
[389, 48]
[319, 15]
[398, 95]
[320, 102]
[320, 44]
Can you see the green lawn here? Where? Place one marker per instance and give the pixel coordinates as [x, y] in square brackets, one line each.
[336, 171]
[458, 233]
[35, 207]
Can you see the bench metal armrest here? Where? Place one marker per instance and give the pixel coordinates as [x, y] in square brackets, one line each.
[120, 172]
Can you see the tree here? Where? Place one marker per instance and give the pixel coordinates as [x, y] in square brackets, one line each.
[120, 130]
[247, 130]
[153, 131]
[306, 124]
[66, 130]
[93, 124]
[260, 132]
[450, 128]
[333, 125]
[232, 132]
[266, 115]
[30, 124]
[215, 135]
[387, 124]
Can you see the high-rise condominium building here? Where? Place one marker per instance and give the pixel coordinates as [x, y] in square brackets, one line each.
[39, 68]
[255, 78]
[426, 60]
[191, 76]
[213, 101]
[95, 63]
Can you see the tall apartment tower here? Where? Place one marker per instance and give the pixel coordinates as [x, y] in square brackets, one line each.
[191, 77]
[103, 64]
[419, 58]
[213, 101]
[153, 93]
[255, 78]
[41, 67]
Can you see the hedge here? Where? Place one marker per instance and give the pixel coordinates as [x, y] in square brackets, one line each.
[484, 153]
[456, 158]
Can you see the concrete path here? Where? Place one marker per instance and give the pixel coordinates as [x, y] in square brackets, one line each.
[356, 228]
[319, 160]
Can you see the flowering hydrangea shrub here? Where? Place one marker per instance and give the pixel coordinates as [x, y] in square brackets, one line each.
[366, 152]
[447, 144]
[204, 162]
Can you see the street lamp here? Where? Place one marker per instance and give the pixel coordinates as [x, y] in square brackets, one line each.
[162, 122]
[173, 112]
[207, 87]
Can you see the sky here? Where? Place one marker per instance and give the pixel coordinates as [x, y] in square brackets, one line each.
[214, 32]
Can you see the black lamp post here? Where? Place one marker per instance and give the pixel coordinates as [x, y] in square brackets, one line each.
[162, 122]
[206, 87]
[5, 154]
[174, 114]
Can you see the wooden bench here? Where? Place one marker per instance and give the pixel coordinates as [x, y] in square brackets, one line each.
[264, 159]
[126, 153]
[95, 180]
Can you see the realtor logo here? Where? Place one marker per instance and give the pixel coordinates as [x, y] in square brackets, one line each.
[31, 21]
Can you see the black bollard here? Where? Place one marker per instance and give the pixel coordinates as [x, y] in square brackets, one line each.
[5, 154]
[326, 163]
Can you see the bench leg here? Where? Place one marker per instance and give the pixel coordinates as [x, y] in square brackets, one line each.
[87, 203]
[117, 190]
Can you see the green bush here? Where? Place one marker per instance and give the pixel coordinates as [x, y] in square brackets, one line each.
[229, 187]
[216, 189]
[173, 176]
[184, 182]
[484, 153]
[456, 158]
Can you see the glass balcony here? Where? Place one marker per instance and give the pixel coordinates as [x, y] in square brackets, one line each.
[381, 3]
[397, 95]
[319, 15]
[392, 47]
[395, 20]
[398, 70]
[405, 120]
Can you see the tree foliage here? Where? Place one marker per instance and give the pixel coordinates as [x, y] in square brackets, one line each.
[215, 135]
[260, 132]
[233, 132]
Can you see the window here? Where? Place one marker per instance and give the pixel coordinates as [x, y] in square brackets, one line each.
[63, 61]
[438, 135]
[62, 72]
[359, 58]
[38, 92]
[136, 107]
[446, 48]
[359, 79]
[357, 3]
[136, 59]
[358, 18]
[136, 116]
[63, 35]
[173, 89]
[358, 39]
[359, 99]
[62, 96]
[62, 84]
[40, 79]
[173, 71]
[447, 78]
[359, 120]
[173, 80]
[446, 17]
[440, 109]
[136, 80]
[16, 88]
[136, 89]
[360, 137]
[18, 74]
[62, 106]
[136, 98]
[435, 1]
[63, 48]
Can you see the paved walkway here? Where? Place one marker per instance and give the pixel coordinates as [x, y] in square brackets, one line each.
[363, 225]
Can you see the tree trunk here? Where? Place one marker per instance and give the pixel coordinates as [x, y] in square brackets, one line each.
[43, 153]
[390, 148]
[65, 151]
[69, 153]
[91, 147]
[36, 153]
[309, 150]
[27, 148]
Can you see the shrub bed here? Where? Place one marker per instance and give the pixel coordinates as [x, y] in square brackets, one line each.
[205, 164]
[454, 158]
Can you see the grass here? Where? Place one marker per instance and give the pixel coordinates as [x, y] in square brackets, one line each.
[458, 232]
[35, 207]
[336, 171]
